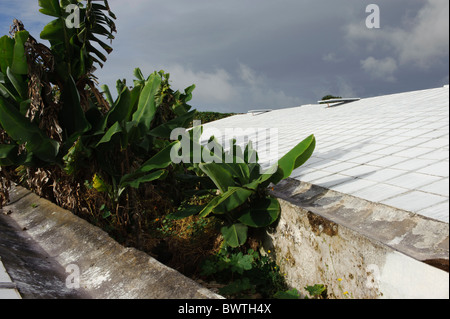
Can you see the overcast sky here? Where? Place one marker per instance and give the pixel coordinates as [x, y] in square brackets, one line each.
[256, 54]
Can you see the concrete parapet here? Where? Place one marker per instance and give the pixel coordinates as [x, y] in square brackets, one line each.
[357, 248]
[45, 248]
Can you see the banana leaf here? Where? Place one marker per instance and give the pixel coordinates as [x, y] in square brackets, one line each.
[6, 53]
[135, 183]
[19, 84]
[107, 92]
[7, 92]
[160, 161]
[292, 160]
[19, 62]
[219, 174]
[50, 7]
[109, 135]
[164, 130]
[262, 213]
[122, 108]
[147, 103]
[8, 154]
[22, 131]
[235, 235]
[72, 117]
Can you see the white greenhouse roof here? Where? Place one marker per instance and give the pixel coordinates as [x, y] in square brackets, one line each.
[391, 149]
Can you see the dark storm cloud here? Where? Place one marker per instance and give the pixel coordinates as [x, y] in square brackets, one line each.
[272, 54]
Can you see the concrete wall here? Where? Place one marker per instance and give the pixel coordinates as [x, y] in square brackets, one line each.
[358, 249]
[45, 248]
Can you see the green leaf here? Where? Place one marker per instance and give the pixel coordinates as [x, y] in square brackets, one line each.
[262, 213]
[240, 262]
[105, 47]
[180, 107]
[54, 31]
[72, 116]
[235, 235]
[135, 183]
[6, 93]
[8, 154]
[113, 130]
[19, 63]
[210, 206]
[138, 74]
[18, 83]
[106, 214]
[219, 174]
[107, 92]
[121, 111]
[159, 161]
[316, 290]
[209, 268]
[100, 185]
[294, 159]
[22, 131]
[164, 130]
[147, 104]
[99, 54]
[24, 106]
[290, 294]
[50, 7]
[188, 92]
[232, 199]
[6, 53]
[226, 202]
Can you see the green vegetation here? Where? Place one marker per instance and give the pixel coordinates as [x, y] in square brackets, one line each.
[244, 274]
[243, 201]
[315, 292]
[109, 161]
[206, 117]
[330, 97]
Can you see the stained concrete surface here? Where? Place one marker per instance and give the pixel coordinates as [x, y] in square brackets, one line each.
[36, 275]
[422, 238]
[357, 248]
[8, 289]
[42, 246]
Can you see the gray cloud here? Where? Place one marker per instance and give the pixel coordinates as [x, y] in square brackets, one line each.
[380, 69]
[420, 40]
[250, 54]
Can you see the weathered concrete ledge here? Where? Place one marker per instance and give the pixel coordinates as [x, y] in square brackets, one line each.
[357, 248]
[43, 246]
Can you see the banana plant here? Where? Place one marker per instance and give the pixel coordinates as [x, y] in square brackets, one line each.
[243, 201]
[14, 105]
[65, 67]
[152, 169]
[75, 54]
[74, 47]
[128, 131]
[132, 116]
